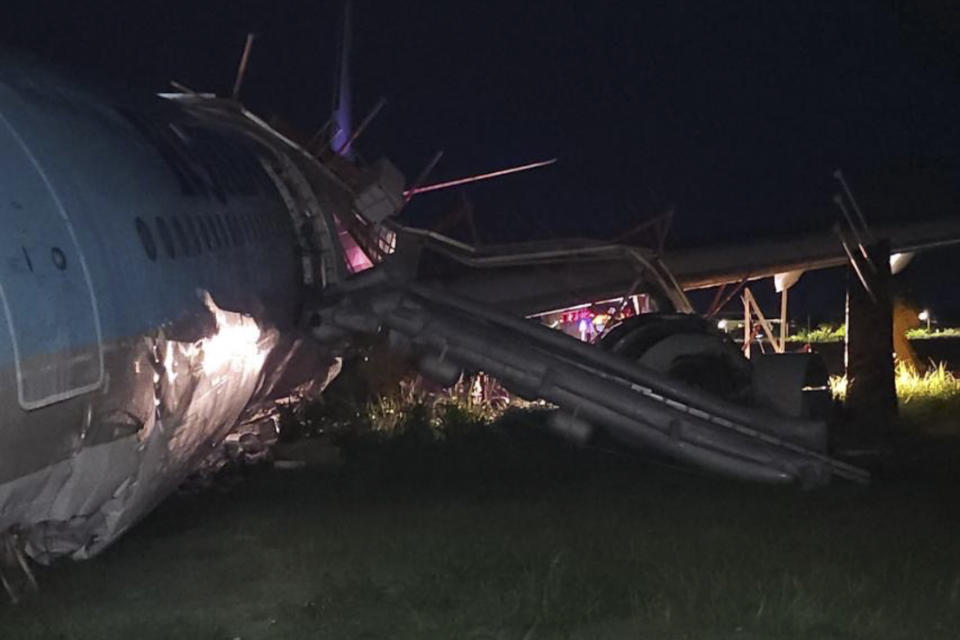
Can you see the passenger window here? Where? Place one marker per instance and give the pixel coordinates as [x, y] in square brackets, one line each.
[165, 237]
[214, 233]
[146, 239]
[234, 231]
[242, 229]
[59, 258]
[182, 237]
[193, 235]
[222, 228]
[204, 233]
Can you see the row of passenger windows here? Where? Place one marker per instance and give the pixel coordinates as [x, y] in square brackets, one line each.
[192, 235]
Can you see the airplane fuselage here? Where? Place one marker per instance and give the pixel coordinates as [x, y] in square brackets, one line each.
[149, 277]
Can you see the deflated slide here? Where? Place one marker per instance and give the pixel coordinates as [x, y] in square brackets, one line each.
[592, 388]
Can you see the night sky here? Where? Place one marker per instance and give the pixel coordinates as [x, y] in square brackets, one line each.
[733, 113]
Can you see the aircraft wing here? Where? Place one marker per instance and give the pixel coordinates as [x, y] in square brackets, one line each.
[564, 276]
[713, 266]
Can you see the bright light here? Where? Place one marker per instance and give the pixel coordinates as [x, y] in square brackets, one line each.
[169, 363]
[924, 315]
[234, 346]
[722, 325]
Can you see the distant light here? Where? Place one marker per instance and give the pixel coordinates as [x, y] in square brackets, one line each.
[584, 326]
[722, 325]
[924, 315]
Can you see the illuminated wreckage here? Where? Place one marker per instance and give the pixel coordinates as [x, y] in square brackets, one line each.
[208, 268]
[663, 381]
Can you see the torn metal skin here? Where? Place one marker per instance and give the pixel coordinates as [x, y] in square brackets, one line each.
[166, 405]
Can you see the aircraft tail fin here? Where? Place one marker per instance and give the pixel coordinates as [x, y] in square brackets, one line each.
[342, 98]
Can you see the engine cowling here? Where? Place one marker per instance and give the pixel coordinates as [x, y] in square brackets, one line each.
[684, 347]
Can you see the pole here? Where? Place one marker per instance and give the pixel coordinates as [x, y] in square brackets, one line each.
[409, 193]
[412, 191]
[747, 328]
[242, 68]
[783, 319]
[853, 201]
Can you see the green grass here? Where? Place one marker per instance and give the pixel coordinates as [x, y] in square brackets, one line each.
[929, 401]
[922, 333]
[473, 531]
[836, 333]
[823, 333]
[378, 389]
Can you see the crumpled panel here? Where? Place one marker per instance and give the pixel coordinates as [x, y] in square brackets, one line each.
[167, 406]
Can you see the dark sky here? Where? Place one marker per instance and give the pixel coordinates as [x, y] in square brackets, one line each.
[734, 113]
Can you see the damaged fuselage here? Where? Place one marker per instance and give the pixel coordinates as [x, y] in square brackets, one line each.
[172, 267]
[151, 286]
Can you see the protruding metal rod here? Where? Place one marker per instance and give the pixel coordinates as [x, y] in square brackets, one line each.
[854, 263]
[838, 200]
[720, 303]
[320, 138]
[630, 295]
[853, 201]
[363, 125]
[182, 88]
[716, 300]
[414, 190]
[483, 176]
[242, 68]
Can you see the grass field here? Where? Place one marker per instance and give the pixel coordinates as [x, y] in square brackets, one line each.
[929, 401]
[497, 532]
[836, 333]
